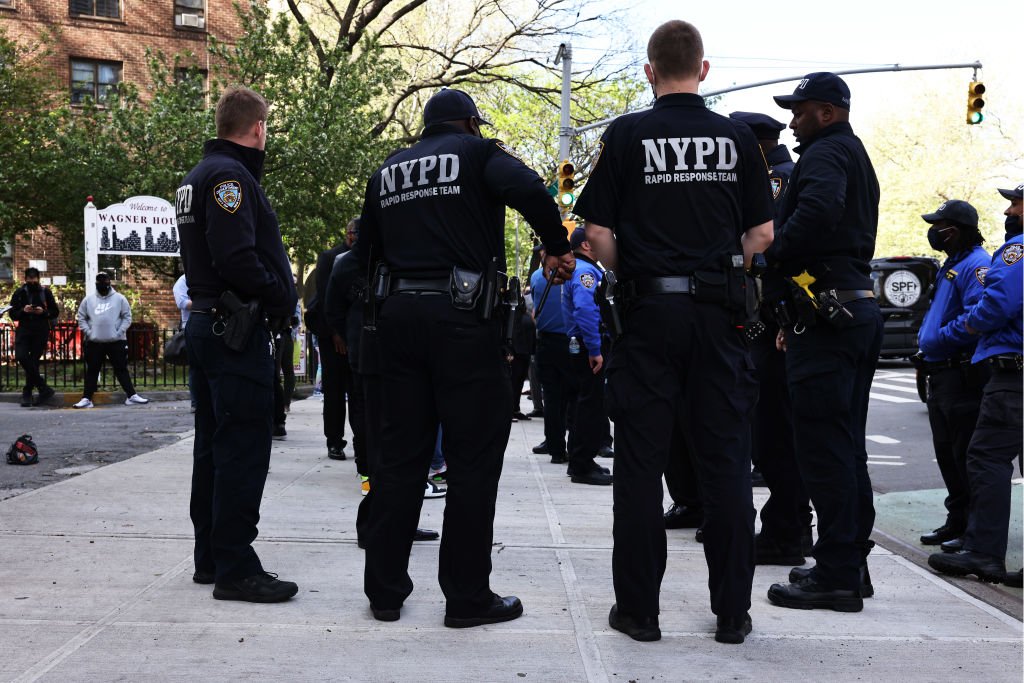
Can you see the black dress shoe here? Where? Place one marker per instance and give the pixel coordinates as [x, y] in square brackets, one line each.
[559, 459]
[262, 587]
[683, 517]
[605, 452]
[733, 629]
[769, 551]
[595, 477]
[500, 609]
[809, 594]
[798, 574]
[964, 563]
[644, 629]
[1014, 579]
[954, 546]
[425, 535]
[941, 535]
[541, 448]
[203, 577]
[385, 613]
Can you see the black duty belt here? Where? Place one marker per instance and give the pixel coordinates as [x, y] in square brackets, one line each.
[677, 284]
[845, 296]
[1007, 361]
[431, 285]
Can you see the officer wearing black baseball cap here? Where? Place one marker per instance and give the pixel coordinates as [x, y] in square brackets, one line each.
[826, 228]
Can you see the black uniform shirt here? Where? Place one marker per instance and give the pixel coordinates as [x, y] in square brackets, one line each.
[229, 235]
[441, 203]
[679, 184]
[829, 213]
[780, 168]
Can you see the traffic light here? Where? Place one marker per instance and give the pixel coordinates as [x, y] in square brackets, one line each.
[566, 184]
[975, 102]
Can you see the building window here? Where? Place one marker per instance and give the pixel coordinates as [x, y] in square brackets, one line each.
[93, 80]
[190, 14]
[109, 9]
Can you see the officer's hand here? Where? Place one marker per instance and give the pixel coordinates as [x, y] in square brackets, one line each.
[780, 340]
[558, 269]
[339, 345]
[596, 363]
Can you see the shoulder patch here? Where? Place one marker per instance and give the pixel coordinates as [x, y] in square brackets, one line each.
[776, 187]
[1012, 254]
[980, 274]
[507, 150]
[228, 195]
[587, 280]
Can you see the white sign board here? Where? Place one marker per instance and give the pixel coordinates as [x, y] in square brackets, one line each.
[138, 226]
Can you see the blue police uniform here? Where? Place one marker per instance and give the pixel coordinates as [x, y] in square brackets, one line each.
[558, 383]
[677, 207]
[997, 440]
[590, 428]
[230, 240]
[954, 387]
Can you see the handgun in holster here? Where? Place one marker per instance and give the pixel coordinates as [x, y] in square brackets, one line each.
[610, 304]
[238, 319]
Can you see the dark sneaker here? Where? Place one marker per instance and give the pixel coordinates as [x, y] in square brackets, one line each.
[769, 551]
[644, 629]
[733, 630]
[262, 587]
[500, 609]
[203, 577]
[809, 594]
[964, 563]
[798, 574]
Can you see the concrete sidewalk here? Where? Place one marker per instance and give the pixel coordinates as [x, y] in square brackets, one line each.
[95, 584]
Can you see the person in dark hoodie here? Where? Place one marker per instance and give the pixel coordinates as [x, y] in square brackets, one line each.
[33, 307]
[104, 317]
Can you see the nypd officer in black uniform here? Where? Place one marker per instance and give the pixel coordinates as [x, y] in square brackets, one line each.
[826, 229]
[785, 535]
[686, 194]
[433, 220]
[230, 242]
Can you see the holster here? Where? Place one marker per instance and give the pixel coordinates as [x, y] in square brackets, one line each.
[238, 318]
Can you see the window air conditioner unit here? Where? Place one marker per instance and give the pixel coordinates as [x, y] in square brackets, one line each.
[193, 20]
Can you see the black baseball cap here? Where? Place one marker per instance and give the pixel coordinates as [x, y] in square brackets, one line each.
[1015, 193]
[820, 86]
[955, 211]
[764, 126]
[450, 105]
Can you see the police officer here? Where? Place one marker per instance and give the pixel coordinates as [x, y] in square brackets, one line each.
[677, 202]
[785, 536]
[433, 218]
[946, 348]
[586, 361]
[230, 242]
[997, 440]
[826, 228]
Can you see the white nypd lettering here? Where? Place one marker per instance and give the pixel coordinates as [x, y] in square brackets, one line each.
[426, 173]
[708, 159]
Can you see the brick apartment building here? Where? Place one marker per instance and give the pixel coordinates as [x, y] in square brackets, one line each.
[101, 43]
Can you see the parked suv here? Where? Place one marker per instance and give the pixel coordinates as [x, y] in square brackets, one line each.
[903, 286]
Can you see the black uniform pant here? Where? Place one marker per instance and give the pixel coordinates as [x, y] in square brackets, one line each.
[234, 402]
[95, 354]
[334, 382]
[787, 512]
[590, 428]
[679, 359]
[995, 445]
[681, 472]
[830, 372]
[29, 347]
[443, 365]
[559, 385]
[954, 400]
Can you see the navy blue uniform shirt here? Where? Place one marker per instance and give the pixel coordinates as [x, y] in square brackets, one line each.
[997, 315]
[679, 185]
[230, 238]
[582, 314]
[441, 203]
[829, 214]
[958, 286]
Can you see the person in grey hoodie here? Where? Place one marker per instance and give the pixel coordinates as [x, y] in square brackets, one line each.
[104, 318]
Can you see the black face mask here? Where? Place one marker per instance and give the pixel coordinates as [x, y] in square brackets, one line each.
[103, 289]
[935, 238]
[1013, 226]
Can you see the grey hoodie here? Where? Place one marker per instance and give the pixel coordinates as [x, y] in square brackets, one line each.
[104, 318]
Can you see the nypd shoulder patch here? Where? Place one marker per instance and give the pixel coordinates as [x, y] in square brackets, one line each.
[228, 195]
[587, 280]
[979, 273]
[776, 187]
[1012, 254]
